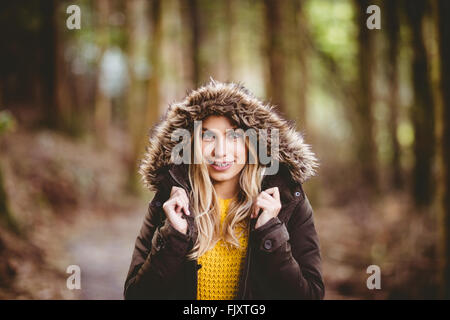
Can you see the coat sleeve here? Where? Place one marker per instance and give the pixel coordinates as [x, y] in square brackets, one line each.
[291, 260]
[158, 254]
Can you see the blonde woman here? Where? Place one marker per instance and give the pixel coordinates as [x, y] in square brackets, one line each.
[225, 223]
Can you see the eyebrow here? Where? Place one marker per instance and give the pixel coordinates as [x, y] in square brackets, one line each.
[234, 127]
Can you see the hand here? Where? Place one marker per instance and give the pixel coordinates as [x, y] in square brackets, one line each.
[269, 202]
[177, 202]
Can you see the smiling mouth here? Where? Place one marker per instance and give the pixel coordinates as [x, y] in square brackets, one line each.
[220, 166]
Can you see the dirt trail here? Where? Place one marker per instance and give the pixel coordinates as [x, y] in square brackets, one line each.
[102, 248]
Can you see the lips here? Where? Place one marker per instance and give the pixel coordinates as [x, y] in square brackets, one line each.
[221, 166]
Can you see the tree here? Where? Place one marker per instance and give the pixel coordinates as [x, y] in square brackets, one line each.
[102, 117]
[365, 131]
[136, 13]
[422, 111]
[301, 53]
[7, 123]
[392, 33]
[275, 52]
[230, 37]
[192, 22]
[444, 52]
[48, 66]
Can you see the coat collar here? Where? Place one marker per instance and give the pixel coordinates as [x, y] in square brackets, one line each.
[290, 190]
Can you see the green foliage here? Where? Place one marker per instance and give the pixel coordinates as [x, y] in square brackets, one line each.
[334, 32]
[7, 122]
[6, 217]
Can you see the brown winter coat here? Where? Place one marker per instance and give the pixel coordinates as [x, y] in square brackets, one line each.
[283, 259]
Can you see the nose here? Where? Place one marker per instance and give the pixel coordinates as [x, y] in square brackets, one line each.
[219, 148]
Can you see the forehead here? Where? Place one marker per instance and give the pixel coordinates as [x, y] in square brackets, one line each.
[218, 123]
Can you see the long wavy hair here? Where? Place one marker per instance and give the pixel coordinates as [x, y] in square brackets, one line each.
[206, 206]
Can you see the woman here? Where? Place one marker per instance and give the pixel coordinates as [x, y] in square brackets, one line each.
[224, 225]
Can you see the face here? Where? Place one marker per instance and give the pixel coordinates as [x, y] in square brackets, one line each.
[223, 148]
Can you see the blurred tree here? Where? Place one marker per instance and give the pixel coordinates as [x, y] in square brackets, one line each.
[301, 33]
[71, 115]
[230, 37]
[274, 50]
[153, 103]
[42, 82]
[391, 16]
[444, 52]
[102, 117]
[6, 216]
[192, 23]
[136, 18]
[7, 123]
[144, 92]
[365, 131]
[48, 10]
[422, 111]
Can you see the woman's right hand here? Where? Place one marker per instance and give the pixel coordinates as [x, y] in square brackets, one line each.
[173, 207]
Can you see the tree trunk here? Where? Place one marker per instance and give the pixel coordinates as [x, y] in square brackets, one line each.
[302, 52]
[275, 53]
[392, 32]
[422, 112]
[444, 52]
[230, 38]
[6, 217]
[151, 112]
[48, 68]
[191, 20]
[155, 61]
[365, 131]
[102, 117]
[136, 95]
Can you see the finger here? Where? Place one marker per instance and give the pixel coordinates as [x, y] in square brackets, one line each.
[184, 199]
[187, 203]
[184, 205]
[255, 211]
[274, 192]
[264, 204]
[178, 205]
[174, 190]
[171, 208]
[265, 195]
[277, 194]
[260, 204]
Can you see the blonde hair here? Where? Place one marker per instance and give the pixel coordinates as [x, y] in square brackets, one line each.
[206, 207]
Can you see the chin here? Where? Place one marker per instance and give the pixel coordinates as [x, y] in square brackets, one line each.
[222, 176]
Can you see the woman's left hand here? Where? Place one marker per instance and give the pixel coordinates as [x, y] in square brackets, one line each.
[269, 202]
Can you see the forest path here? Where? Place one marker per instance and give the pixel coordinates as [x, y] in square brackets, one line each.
[102, 247]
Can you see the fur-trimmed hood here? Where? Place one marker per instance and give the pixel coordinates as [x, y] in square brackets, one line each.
[235, 101]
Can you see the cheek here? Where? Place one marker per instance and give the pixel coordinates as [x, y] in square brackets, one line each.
[207, 149]
[241, 153]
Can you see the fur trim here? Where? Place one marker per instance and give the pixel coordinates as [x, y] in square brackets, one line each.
[235, 101]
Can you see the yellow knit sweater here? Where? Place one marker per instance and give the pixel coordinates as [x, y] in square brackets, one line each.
[218, 278]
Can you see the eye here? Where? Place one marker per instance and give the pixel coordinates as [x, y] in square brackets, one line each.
[234, 135]
[208, 135]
